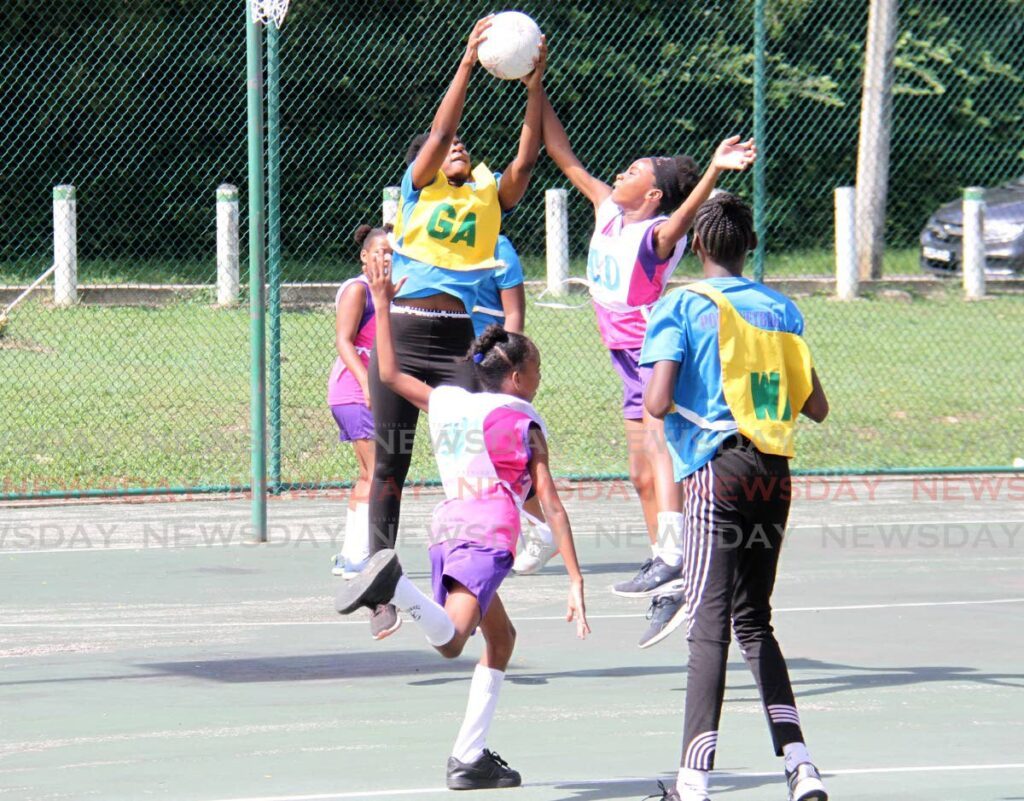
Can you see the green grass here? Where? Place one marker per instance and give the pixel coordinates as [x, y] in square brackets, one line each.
[172, 271]
[124, 397]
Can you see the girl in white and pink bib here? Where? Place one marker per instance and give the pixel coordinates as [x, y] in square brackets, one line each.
[491, 447]
[639, 236]
[347, 393]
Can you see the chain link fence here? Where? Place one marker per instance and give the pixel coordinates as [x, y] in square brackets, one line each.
[141, 106]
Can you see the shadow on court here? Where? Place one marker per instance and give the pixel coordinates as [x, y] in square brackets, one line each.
[649, 787]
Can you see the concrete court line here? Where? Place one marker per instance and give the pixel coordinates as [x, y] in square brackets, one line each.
[634, 780]
[273, 623]
[312, 540]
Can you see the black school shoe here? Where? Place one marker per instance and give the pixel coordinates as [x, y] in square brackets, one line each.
[487, 772]
[373, 586]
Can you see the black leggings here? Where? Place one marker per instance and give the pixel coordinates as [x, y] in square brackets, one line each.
[736, 511]
[432, 347]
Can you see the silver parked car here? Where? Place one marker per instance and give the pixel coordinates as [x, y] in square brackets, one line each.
[1004, 234]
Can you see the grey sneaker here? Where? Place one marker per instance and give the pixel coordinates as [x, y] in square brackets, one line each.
[666, 614]
[375, 585]
[654, 578]
[805, 783]
[384, 621]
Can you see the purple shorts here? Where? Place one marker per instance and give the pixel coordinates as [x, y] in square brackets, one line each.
[354, 421]
[478, 568]
[634, 381]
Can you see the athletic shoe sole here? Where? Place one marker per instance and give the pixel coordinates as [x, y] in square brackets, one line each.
[374, 585]
[813, 793]
[674, 622]
[473, 784]
[668, 588]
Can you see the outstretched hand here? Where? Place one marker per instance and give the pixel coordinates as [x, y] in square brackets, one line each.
[533, 79]
[577, 610]
[378, 273]
[733, 154]
[476, 37]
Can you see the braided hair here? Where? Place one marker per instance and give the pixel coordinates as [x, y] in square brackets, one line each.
[496, 353]
[364, 234]
[725, 225]
[676, 177]
[415, 146]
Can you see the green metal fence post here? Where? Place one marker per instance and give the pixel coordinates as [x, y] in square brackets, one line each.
[274, 248]
[760, 44]
[257, 332]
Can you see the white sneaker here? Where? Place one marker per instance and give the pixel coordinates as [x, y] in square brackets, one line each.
[537, 552]
[342, 567]
[805, 784]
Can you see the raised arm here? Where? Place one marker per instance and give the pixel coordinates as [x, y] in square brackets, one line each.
[558, 520]
[346, 326]
[517, 174]
[556, 142]
[449, 113]
[383, 291]
[732, 154]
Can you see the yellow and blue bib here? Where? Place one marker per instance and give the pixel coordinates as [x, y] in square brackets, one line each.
[750, 358]
[766, 376]
[452, 227]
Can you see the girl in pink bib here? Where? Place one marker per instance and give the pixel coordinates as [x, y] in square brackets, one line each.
[639, 237]
[491, 448]
[347, 393]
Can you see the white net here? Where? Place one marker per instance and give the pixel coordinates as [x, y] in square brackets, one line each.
[265, 11]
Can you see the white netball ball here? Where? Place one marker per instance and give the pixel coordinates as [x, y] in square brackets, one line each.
[511, 46]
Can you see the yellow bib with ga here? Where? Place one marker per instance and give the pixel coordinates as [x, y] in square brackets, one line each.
[454, 227]
[766, 376]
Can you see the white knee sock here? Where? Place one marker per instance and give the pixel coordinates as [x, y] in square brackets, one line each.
[795, 754]
[692, 785]
[430, 616]
[356, 547]
[483, 698]
[670, 538]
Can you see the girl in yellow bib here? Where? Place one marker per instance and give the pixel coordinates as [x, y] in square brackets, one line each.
[731, 374]
[444, 242]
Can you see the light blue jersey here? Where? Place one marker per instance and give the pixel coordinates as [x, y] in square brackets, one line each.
[488, 309]
[683, 328]
[424, 279]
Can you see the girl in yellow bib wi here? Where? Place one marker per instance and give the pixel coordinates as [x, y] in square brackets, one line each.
[444, 242]
[731, 373]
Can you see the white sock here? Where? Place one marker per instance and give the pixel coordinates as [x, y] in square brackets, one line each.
[654, 550]
[483, 698]
[692, 785]
[356, 547]
[430, 616]
[670, 538]
[795, 754]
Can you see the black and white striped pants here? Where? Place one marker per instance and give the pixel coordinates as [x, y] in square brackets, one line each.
[736, 508]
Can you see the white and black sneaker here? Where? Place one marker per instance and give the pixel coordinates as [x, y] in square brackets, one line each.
[655, 578]
[667, 613]
[805, 783]
[487, 772]
[666, 793]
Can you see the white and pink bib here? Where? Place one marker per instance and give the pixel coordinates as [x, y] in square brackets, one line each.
[625, 275]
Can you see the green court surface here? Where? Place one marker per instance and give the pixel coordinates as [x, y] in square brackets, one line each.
[147, 651]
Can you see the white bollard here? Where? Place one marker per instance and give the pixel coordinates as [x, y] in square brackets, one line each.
[847, 273]
[389, 205]
[227, 245]
[556, 220]
[65, 246]
[973, 258]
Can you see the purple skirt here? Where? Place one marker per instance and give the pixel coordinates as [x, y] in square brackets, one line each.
[478, 568]
[354, 421]
[634, 381]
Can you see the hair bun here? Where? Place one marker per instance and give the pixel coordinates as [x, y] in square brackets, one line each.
[360, 234]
